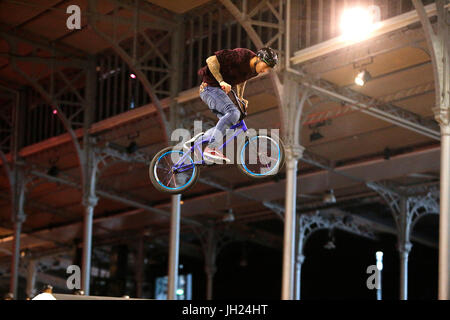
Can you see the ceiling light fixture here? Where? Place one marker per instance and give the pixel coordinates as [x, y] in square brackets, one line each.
[329, 197]
[362, 78]
[229, 217]
[330, 245]
[132, 147]
[53, 171]
[316, 135]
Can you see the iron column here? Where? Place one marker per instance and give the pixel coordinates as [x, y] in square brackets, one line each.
[210, 262]
[293, 153]
[31, 277]
[404, 247]
[173, 249]
[444, 221]
[18, 199]
[16, 257]
[300, 260]
[89, 204]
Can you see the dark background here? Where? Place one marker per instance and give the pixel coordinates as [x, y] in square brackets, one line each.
[337, 274]
[326, 274]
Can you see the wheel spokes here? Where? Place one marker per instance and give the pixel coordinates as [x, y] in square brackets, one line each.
[162, 168]
[164, 171]
[265, 160]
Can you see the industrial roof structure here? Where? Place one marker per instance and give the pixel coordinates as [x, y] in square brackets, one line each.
[78, 132]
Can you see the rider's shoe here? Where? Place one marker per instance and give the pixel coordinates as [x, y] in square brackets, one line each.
[215, 155]
[188, 144]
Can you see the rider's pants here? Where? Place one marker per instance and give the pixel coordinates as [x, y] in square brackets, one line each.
[227, 112]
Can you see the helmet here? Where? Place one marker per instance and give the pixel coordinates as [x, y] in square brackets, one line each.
[268, 55]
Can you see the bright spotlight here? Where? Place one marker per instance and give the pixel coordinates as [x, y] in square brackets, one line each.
[132, 76]
[362, 78]
[379, 256]
[180, 292]
[356, 24]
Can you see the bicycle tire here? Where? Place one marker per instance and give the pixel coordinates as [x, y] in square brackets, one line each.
[159, 186]
[278, 167]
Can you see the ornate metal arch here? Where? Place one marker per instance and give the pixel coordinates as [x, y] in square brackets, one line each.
[391, 198]
[310, 223]
[416, 206]
[420, 206]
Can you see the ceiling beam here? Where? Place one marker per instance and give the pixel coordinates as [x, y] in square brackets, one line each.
[40, 42]
[371, 106]
[364, 51]
[145, 8]
[73, 62]
[113, 195]
[43, 10]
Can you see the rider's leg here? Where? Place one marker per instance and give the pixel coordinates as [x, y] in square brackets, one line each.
[216, 133]
[219, 102]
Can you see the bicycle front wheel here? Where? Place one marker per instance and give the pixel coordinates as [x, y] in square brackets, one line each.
[173, 171]
[261, 156]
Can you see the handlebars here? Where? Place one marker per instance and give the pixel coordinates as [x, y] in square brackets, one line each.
[241, 105]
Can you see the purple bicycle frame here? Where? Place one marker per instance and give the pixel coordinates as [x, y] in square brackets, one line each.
[242, 127]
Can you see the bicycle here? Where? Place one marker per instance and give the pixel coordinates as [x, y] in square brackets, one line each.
[172, 170]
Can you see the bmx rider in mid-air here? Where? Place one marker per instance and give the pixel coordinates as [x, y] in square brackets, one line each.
[224, 69]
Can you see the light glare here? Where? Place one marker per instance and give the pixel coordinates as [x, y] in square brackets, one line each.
[362, 78]
[356, 24]
[359, 81]
[379, 256]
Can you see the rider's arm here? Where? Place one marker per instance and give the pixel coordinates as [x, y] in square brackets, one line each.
[240, 89]
[240, 93]
[214, 67]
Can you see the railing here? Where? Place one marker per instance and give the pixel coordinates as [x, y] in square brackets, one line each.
[42, 123]
[118, 90]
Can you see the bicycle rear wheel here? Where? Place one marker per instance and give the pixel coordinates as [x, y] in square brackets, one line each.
[171, 171]
[261, 156]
